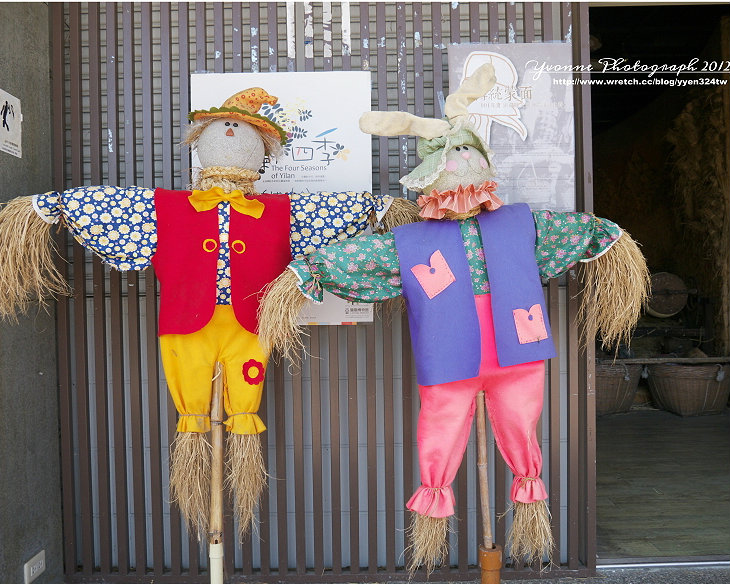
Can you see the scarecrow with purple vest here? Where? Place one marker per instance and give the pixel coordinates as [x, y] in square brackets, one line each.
[471, 277]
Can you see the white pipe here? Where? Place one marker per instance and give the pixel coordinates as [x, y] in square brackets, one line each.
[215, 563]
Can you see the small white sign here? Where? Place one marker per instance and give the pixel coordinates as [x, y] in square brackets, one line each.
[11, 132]
[325, 149]
[334, 310]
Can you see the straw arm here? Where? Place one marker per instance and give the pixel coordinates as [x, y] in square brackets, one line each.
[400, 212]
[278, 313]
[616, 289]
[27, 268]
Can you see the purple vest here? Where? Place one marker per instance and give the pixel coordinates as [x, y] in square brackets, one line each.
[440, 299]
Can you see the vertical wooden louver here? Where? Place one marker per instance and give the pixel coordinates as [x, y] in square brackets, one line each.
[340, 446]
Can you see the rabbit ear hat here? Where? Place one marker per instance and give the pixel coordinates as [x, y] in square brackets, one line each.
[436, 137]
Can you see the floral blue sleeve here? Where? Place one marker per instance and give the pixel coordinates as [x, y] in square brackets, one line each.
[117, 224]
[318, 219]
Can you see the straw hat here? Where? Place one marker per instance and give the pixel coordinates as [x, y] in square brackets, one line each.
[244, 106]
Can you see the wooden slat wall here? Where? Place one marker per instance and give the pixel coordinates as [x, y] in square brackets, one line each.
[341, 441]
[586, 389]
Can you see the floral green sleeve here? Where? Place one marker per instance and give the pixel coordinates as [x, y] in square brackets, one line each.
[363, 269]
[564, 239]
[366, 268]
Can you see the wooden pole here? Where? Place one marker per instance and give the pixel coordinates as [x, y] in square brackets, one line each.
[725, 297]
[215, 535]
[490, 555]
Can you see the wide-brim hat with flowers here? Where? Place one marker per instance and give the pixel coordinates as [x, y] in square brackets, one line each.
[244, 106]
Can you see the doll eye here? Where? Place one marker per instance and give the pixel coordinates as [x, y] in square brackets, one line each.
[458, 148]
[235, 124]
[228, 123]
[465, 148]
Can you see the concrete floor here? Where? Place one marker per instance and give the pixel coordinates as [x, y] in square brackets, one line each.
[662, 486]
[637, 483]
[678, 575]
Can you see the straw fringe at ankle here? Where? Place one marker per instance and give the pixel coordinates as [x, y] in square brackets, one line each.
[531, 539]
[428, 545]
[190, 469]
[246, 478]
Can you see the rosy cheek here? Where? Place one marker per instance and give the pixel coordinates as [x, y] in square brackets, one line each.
[452, 165]
[483, 163]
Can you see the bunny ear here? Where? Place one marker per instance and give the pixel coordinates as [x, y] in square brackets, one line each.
[471, 89]
[402, 123]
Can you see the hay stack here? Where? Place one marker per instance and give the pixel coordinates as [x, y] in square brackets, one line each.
[698, 164]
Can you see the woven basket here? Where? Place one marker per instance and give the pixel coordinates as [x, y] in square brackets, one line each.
[690, 390]
[616, 385]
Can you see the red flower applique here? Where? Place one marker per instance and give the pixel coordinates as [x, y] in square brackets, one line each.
[253, 371]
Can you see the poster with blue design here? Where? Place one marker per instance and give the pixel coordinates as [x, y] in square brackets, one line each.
[325, 151]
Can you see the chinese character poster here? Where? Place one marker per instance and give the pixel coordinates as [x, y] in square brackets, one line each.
[324, 151]
[527, 119]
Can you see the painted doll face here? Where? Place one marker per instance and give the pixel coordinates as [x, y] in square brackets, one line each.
[230, 142]
[465, 165]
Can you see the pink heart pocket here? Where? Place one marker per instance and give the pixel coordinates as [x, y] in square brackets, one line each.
[436, 277]
[530, 324]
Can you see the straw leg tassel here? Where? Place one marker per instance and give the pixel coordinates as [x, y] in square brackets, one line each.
[428, 542]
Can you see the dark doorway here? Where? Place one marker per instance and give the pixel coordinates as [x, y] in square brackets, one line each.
[661, 172]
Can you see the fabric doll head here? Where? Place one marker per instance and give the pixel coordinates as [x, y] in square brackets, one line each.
[228, 142]
[236, 135]
[456, 169]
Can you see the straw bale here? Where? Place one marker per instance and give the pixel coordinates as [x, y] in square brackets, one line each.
[698, 166]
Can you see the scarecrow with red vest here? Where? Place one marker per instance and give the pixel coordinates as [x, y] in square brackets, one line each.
[213, 250]
[471, 277]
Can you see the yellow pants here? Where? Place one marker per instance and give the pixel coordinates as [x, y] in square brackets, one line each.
[189, 362]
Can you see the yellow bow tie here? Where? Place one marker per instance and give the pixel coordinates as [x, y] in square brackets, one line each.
[207, 200]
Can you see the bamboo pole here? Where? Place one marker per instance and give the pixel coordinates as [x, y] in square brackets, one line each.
[215, 535]
[483, 467]
[490, 555]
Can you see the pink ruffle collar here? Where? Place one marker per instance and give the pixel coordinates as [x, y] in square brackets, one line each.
[461, 200]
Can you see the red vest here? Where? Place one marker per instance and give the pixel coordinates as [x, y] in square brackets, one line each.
[187, 257]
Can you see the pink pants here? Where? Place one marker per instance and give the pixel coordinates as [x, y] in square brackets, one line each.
[514, 398]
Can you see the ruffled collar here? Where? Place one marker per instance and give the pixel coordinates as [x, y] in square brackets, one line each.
[459, 201]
